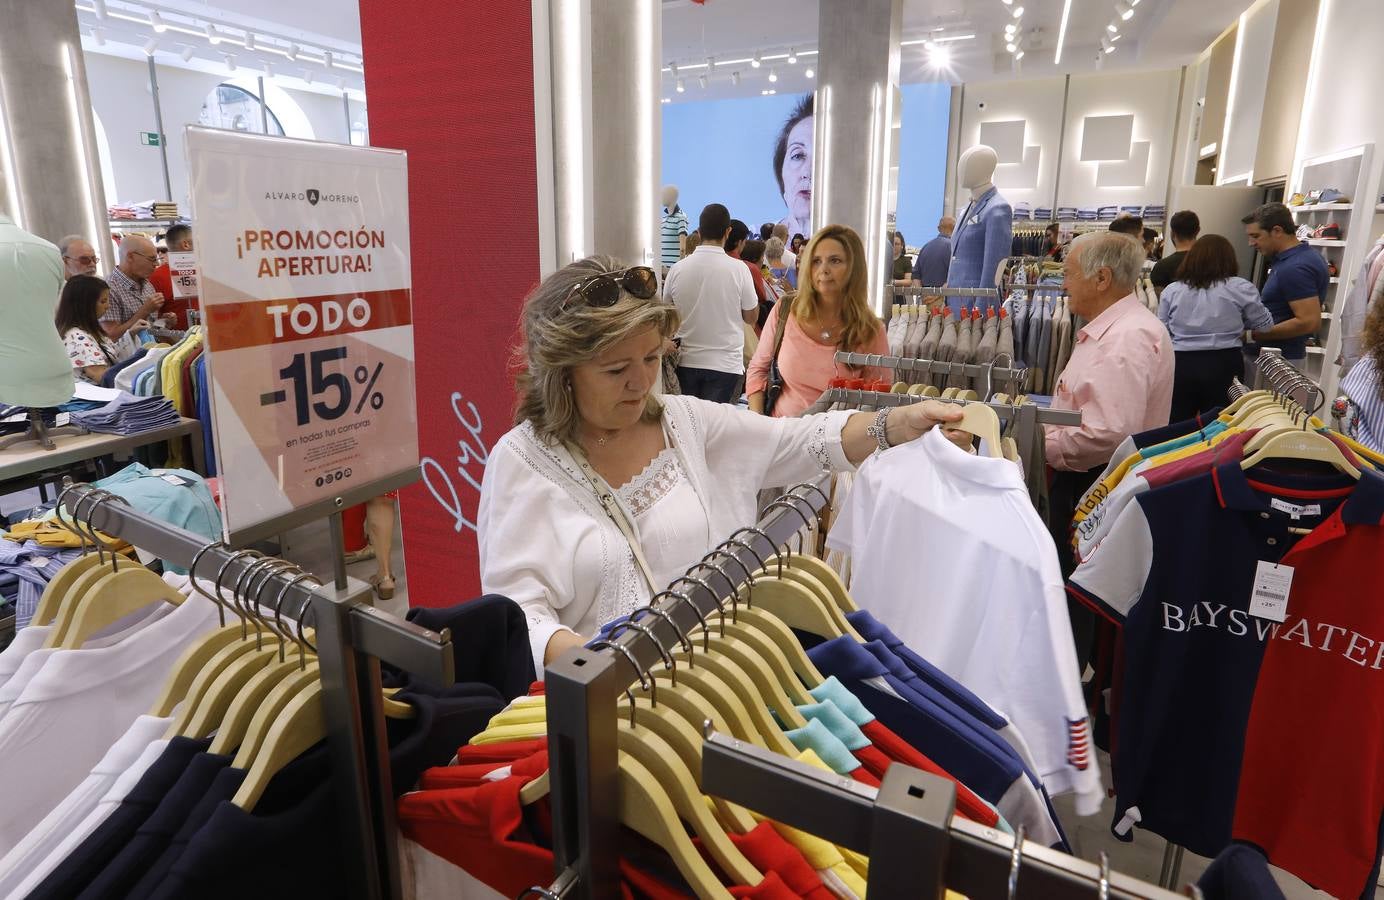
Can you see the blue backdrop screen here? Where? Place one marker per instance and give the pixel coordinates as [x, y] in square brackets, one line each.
[722, 151]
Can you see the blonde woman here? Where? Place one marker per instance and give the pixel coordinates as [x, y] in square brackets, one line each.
[684, 472]
[830, 312]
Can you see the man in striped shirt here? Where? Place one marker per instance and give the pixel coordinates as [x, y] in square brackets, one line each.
[674, 228]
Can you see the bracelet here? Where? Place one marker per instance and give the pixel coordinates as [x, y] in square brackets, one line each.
[880, 429]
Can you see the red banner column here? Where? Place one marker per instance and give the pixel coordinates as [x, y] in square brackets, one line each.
[452, 83]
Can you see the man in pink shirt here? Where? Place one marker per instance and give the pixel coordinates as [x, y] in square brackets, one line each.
[1120, 377]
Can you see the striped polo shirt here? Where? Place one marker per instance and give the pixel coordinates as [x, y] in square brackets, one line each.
[674, 225]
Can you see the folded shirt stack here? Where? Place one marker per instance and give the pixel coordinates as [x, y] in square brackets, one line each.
[1043, 212]
[1107, 213]
[128, 414]
[1022, 210]
[1085, 214]
[1065, 213]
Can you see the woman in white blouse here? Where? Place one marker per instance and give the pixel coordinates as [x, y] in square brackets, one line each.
[684, 472]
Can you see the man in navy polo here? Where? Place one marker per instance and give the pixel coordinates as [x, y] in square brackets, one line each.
[1297, 282]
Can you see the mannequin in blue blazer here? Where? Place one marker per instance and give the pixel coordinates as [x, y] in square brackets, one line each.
[985, 231]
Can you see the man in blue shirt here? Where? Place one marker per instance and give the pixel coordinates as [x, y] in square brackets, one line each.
[1296, 287]
[934, 259]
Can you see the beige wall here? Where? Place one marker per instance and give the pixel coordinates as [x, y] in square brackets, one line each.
[1287, 87]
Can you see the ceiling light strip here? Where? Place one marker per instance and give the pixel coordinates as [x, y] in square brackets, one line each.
[1062, 32]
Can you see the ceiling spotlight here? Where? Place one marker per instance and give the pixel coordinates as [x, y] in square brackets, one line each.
[292, 52]
[1115, 37]
[810, 72]
[327, 58]
[682, 86]
[1124, 10]
[99, 36]
[1007, 2]
[308, 76]
[1107, 45]
[1113, 28]
[187, 53]
[151, 45]
[755, 62]
[667, 100]
[99, 7]
[735, 78]
[1017, 12]
[1011, 27]
[1018, 56]
[213, 36]
[701, 79]
[939, 56]
[773, 75]
[710, 65]
[340, 83]
[1011, 46]
[268, 70]
[156, 22]
[249, 40]
[230, 61]
[792, 56]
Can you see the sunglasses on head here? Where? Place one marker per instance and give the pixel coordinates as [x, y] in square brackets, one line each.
[603, 290]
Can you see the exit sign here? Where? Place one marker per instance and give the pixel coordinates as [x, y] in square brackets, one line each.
[149, 138]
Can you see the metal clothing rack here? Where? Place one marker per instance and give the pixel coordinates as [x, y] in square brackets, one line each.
[912, 809]
[913, 292]
[1273, 372]
[583, 685]
[352, 639]
[931, 366]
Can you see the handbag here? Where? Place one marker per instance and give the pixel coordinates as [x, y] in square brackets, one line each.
[774, 387]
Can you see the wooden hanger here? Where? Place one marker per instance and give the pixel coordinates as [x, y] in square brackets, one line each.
[685, 739]
[235, 724]
[60, 586]
[69, 602]
[268, 712]
[798, 608]
[828, 577]
[1297, 444]
[981, 421]
[642, 744]
[114, 595]
[300, 725]
[200, 652]
[645, 807]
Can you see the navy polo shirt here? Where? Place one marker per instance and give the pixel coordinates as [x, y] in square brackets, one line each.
[1296, 273]
[1176, 571]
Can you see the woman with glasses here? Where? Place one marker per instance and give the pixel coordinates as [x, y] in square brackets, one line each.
[604, 492]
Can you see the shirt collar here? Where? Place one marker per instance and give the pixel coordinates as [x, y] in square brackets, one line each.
[1364, 506]
[118, 274]
[1291, 251]
[711, 248]
[1097, 327]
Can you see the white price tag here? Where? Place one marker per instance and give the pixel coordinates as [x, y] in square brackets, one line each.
[1272, 584]
[144, 556]
[175, 480]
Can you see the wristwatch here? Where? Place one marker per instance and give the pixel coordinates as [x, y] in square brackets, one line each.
[880, 429]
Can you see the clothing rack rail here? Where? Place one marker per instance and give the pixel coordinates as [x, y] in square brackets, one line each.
[352, 638]
[930, 366]
[914, 808]
[583, 685]
[877, 399]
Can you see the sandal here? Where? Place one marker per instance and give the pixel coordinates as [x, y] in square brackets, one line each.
[384, 587]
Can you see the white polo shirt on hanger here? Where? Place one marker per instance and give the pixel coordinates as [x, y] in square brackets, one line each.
[947, 550]
[78, 704]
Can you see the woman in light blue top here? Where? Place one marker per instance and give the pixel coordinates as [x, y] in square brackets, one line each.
[1207, 311]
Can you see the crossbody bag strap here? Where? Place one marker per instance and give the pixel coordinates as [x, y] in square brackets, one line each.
[612, 508]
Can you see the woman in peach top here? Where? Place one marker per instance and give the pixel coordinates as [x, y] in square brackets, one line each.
[829, 313]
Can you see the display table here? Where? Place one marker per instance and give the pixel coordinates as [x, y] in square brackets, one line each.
[25, 460]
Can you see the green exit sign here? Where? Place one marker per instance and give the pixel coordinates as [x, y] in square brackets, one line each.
[149, 138]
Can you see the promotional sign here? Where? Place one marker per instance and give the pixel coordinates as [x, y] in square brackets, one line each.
[182, 269]
[302, 251]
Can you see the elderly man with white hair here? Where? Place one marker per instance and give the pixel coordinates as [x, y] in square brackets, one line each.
[78, 256]
[1120, 377]
[132, 299]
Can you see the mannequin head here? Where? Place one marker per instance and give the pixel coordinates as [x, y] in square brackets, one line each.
[977, 166]
[670, 195]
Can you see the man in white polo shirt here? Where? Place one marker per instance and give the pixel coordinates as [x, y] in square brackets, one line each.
[715, 296]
